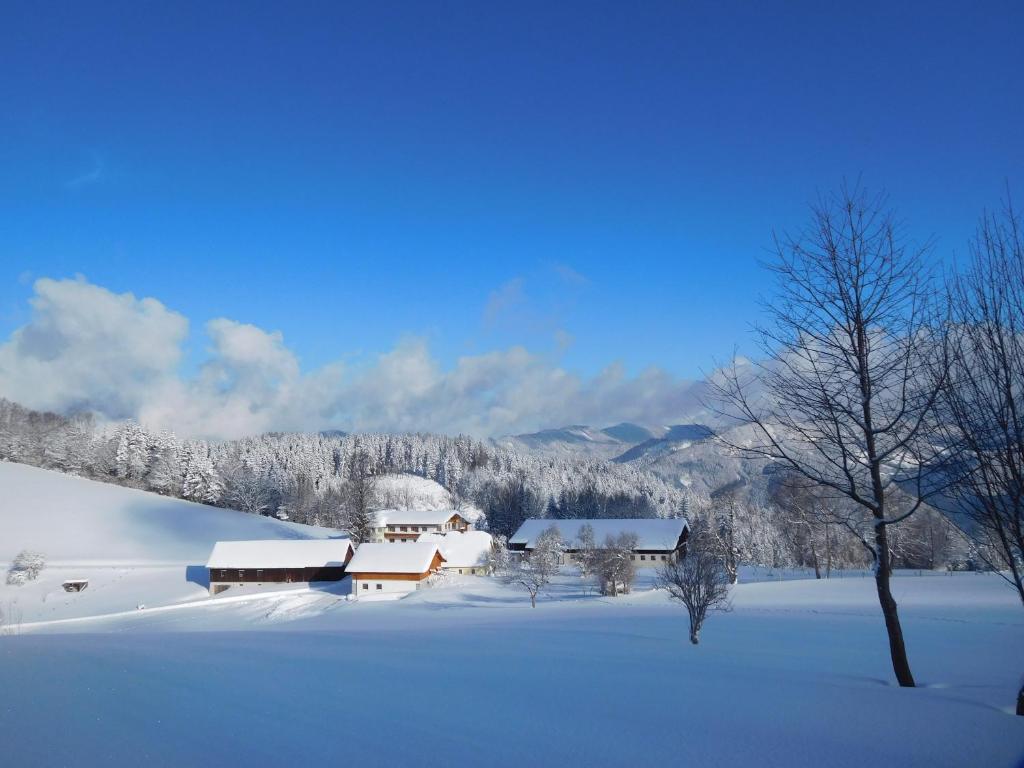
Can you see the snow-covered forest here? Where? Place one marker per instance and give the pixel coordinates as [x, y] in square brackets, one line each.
[306, 478]
[301, 475]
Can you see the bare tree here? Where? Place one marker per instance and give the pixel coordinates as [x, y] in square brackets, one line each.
[587, 553]
[613, 564]
[983, 400]
[699, 581]
[844, 399]
[808, 523]
[498, 558]
[983, 397]
[535, 572]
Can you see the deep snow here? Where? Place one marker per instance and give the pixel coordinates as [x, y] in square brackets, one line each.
[468, 674]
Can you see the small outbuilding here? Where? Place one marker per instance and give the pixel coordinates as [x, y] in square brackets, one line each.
[277, 561]
[380, 570]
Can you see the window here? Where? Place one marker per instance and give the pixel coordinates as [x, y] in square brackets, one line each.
[365, 585]
[663, 557]
[643, 557]
[259, 574]
[380, 586]
[404, 528]
[460, 571]
[223, 574]
[632, 557]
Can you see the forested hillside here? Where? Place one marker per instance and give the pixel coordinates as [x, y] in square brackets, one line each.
[304, 476]
[322, 478]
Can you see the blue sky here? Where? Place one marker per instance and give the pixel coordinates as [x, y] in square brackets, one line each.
[593, 181]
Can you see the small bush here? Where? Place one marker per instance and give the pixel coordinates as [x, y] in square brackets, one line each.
[26, 567]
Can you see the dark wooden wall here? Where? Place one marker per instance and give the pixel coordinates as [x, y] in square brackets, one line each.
[276, 575]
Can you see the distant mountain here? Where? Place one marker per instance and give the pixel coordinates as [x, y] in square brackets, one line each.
[579, 440]
[575, 433]
[629, 433]
[677, 437]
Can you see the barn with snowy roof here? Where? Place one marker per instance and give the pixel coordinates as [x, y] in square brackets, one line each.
[384, 570]
[657, 540]
[285, 561]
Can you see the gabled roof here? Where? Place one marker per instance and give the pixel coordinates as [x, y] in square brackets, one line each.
[660, 534]
[414, 516]
[461, 550]
[414, 557]
[280, 553]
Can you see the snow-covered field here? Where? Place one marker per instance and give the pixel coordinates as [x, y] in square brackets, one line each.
[467, 674]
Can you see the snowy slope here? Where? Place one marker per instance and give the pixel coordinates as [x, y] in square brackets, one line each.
[72, 519]
[134, 547]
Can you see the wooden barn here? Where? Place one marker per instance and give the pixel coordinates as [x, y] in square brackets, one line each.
[383, 570]
[284, 561]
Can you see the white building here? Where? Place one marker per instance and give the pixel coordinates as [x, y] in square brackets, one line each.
[658, 540]
[382, 570]
[464, 553]
[398, 526]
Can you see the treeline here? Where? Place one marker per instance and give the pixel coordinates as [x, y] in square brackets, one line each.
[305, 477]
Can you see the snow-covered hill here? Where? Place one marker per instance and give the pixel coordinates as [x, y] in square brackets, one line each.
[134, 547]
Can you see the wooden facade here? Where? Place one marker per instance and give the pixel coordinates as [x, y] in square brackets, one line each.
[276, 575]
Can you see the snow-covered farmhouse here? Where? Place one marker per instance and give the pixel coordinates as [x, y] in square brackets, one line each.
[657, 540]
[464, 553]
[396, 526]
[383, 570]
[238, 563]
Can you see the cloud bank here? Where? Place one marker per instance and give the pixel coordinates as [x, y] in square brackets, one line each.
[86, 348]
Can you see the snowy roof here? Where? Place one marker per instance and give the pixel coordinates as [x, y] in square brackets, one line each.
[279, 553]
[461, 550]
[650, 533]
[412, 557]
[414, 516]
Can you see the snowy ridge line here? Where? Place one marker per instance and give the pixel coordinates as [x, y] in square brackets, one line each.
[179, 606]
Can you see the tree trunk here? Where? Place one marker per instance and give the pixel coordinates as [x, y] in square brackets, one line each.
[817, 566]
[695, 638]
[897, 649]
[828, 552]
[533, 600]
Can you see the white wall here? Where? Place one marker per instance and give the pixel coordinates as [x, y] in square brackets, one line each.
[388, 587]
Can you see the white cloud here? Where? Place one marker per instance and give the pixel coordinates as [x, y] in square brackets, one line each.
[86, 347]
